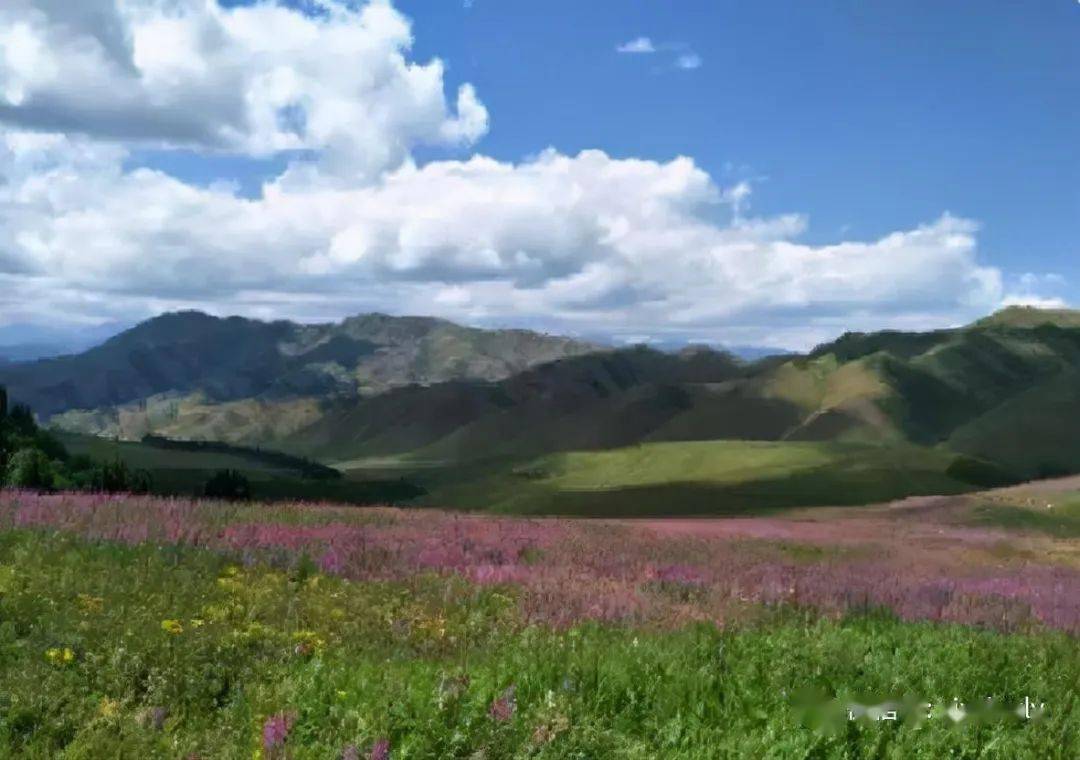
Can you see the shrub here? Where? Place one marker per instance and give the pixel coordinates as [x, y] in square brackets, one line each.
[21, 420]
[979, 472]
[30, 468]
[230, 485]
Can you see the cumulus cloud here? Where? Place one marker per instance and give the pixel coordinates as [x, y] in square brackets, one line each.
[589, 243]
[256, 79]
[582, 243]
[639, 45]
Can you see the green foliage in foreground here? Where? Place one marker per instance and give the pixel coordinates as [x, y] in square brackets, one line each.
[147, 652]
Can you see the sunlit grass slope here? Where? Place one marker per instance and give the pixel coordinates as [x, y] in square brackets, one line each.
[704, 477]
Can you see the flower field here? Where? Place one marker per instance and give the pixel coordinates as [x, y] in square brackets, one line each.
[147, 627]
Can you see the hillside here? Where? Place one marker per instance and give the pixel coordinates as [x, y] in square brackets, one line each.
[985, 404]
[958, 388]
[192, 375]
[599, 400]
[500, 419]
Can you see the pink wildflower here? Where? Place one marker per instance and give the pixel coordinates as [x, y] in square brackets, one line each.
[502, 709]
[276, 730]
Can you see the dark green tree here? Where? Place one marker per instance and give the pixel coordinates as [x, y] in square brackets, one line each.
[21, 420]
[30, 468]
[230, 485]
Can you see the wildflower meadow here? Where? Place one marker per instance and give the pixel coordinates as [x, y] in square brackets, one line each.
[135, 626]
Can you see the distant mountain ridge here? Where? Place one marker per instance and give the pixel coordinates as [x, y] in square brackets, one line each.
[24, 343]
[232, 359]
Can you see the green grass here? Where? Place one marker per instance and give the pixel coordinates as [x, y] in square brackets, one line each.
[142, 456]
[184, 473]
[698, 477]
[696, 461]
[1028, 431]
[1061, 520]
[420, 664]
[1030, 316]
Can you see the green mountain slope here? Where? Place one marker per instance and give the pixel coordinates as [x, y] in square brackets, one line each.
[192, 375]
[599, 400]
[899, 412]
[519, 421]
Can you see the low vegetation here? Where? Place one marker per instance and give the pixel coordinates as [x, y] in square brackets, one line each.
[135, 627]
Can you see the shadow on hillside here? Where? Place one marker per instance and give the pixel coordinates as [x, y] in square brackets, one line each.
[817, 487]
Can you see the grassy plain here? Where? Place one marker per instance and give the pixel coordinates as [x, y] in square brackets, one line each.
[143, 627]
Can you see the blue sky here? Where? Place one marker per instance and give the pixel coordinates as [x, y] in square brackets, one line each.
[868, 116]
[865, 119]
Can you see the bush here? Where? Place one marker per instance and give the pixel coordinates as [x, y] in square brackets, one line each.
[50, 444]
[111, 477]
[230, 485]
[21, 420]
[979, 472]
[30, 468]
[116, 477]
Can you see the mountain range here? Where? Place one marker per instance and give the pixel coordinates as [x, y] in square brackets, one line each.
[191, 375]
[507, 415]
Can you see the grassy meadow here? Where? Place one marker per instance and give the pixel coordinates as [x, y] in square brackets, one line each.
[691, 477]
[175, 628]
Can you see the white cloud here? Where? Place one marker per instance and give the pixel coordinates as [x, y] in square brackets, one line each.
[688, 61]
[640, 45]
[255, 79]
[1037, 289]
[582, 243]
[589, 244]
[684, 58]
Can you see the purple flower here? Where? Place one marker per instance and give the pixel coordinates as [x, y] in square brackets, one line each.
[380, 750]
[681, 575]
[276, 730]
[332, 562]
[502, 709]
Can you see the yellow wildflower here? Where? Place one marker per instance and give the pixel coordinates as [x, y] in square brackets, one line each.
[172, 627]
[308, 642]
[109, 708]
[58, 656]
[90, 604]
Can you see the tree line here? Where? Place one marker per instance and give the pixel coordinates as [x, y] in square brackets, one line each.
[33, 458]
